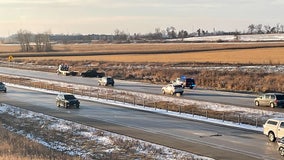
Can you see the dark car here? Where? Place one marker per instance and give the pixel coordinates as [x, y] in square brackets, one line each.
[105, 81]
[3, 87]
[185, 82]
[270, 99]
[67, 101]
[92, 73]
[190, 83]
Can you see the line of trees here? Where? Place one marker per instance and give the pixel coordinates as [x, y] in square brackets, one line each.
[41, 42]
[172, 33]
[34, 42]
[262, 29]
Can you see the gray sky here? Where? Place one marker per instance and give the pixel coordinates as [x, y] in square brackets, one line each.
[135, 16]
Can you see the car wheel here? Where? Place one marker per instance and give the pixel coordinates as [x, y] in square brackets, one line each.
[65, 105]
[272, 105]
[77, 106]
[57, 104]
[281, 151]
[256, 103]
[271, 137]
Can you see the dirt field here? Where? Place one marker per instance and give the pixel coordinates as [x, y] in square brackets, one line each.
[257, 53]
[251, 56]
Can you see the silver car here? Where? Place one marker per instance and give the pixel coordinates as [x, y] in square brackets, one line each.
[270, 99]
[3, 87]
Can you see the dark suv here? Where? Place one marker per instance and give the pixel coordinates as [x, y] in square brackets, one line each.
[3, 87]
[92, 73]
[67, 101]
[105, 81]
[270, 99]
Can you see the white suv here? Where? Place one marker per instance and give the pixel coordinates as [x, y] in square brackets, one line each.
[274, 128]
[173, 89]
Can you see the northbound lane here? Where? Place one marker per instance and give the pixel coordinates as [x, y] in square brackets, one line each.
[205, 139]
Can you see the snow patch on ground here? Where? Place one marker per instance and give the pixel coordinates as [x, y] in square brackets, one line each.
[104, 138]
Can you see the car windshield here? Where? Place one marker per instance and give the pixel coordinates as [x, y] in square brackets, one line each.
[280, 97]
[177, 86]
[191, 81]
[69, 97]
[1, 83]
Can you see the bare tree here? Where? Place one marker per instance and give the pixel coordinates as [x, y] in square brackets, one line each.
[277, 28]
[158, 33]
[182, 34]
[39, 42]
[199, 32]
[24, 38]
[273, 30]
[42, 41]
[171, 31]
[46, 42]
[251, 28]
[120, 35]
[267, 28]
[259, 28]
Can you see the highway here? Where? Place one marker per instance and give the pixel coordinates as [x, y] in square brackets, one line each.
[214, 141]
[238, 99]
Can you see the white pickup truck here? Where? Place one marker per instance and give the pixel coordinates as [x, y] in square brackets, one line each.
[274, 128]
[64, 70]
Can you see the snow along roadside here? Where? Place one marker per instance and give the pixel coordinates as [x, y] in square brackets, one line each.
[205, 105]
[100, 139]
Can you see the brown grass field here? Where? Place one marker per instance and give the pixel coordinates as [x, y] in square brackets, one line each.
[251, 56]
[249, 53]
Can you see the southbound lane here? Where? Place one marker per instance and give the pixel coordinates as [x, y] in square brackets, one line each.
[238, 99]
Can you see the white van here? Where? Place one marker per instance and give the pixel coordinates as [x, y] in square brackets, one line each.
[274, 128]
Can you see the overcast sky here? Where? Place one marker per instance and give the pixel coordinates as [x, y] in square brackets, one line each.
[135, 16]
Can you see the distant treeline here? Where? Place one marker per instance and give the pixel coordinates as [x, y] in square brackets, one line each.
[120, 36]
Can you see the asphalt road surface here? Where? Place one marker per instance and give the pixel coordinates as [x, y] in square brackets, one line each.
[210, 140]
[238, 99]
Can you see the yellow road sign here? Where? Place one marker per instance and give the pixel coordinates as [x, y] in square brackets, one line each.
[10, 58]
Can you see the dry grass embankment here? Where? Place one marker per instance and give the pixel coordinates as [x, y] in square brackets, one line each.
[16, 147]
